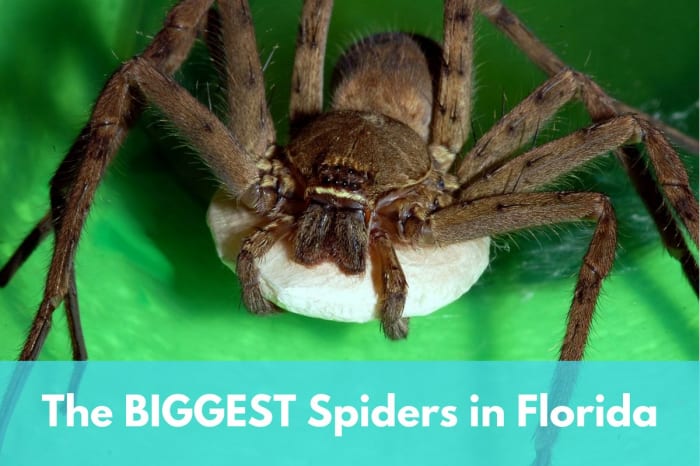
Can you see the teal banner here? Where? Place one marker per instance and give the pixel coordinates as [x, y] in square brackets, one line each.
[349, 413]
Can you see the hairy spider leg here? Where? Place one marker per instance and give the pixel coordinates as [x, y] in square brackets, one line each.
[307, 75]
[656, 196]
[118, 106]
[483, 162]
[449, 128]
[551, 64]
[233, 50]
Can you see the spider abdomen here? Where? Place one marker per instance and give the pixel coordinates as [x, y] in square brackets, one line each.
[389, 74]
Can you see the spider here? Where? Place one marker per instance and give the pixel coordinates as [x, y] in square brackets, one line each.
[443, 180]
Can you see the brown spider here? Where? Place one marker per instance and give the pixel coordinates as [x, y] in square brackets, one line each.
[365, 199]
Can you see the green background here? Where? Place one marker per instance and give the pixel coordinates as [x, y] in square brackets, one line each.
[149, 281]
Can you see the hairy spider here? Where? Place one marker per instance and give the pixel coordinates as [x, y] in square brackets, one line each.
[536, 129]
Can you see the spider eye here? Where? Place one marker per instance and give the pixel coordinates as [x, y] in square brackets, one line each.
[342, 177]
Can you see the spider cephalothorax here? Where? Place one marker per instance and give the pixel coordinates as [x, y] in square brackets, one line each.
[372, 190]
[356, 163]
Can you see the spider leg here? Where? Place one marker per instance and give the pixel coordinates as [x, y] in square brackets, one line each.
[503, 213]
[235, 167]
[232, 45]
[255, 246]
[515, 211]
[602, 107]
[167, 51]
[545, 163]
[25, 249]
[73, 318]
[481, 174]
[519, 125]
[394, 288]
[550, 63]
[450, 123]
[74, 184]
[307, 75]
[29, 244]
